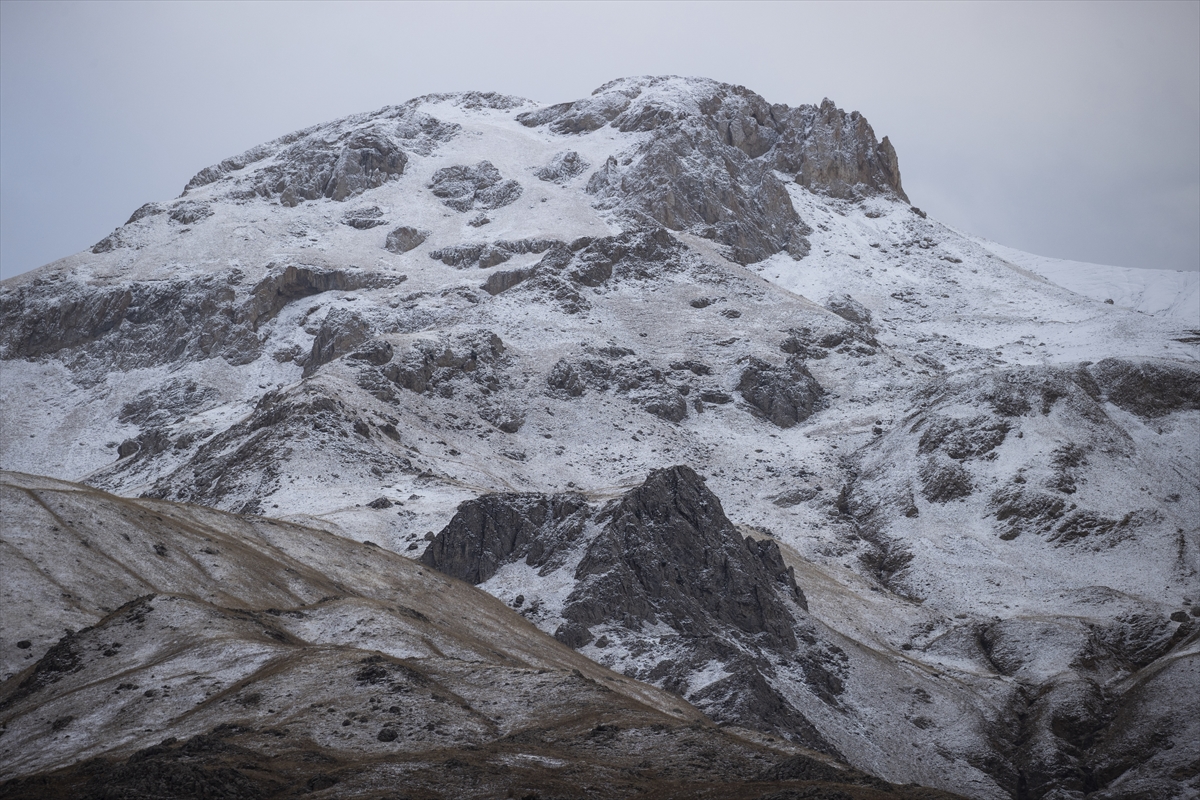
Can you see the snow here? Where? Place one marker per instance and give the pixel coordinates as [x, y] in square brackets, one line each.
[938, 297]
[1173, 294]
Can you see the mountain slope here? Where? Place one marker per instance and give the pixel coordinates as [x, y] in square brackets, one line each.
[368, 324]
[229, 670]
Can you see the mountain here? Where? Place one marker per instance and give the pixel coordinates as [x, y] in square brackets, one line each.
[681, 377]
[258, 659]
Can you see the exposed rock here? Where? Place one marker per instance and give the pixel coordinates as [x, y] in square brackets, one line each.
[695, 367]
[147, 210]
[849, 309]
[666, 555]
[563, 167]
[794, 497]
[239, 466]
[188, 212]
[340, 333]
[573, 635]
[669, 554]
[708, 167]
[817, 342]
[739, 203]
[481, 186]
[485, 255]
[498, 529]
[963, 438]
[313, 168]
[504, 280]
[161, 321]
[364, 218]
[835, 153]
[506, 419]
[175, 398]
[404, 238]
[378, 352]
[564, 378]
[783, 395]
[1149, 388]
[942, 481]
[620, 372]
[436, 366]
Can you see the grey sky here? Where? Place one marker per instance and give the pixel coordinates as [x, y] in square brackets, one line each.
[1067, 130]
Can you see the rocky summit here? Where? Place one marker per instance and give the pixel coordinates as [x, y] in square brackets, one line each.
[651, 444]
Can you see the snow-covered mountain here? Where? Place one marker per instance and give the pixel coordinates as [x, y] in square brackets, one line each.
[682, 377]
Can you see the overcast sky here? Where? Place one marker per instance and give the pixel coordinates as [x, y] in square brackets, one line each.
[1067, 130]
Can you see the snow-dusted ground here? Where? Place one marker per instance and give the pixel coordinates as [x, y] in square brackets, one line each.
[1159, 292]
[945, 308]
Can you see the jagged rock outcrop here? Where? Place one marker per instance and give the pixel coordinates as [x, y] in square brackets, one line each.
[340, 332]
[404, 238]
[670, 554]
[436, 366]
[479, 186]
[849, 309]
[498, 529]
[709, 164]
[563, 167]
[162, 321]
[363, 219]
[616, 369]
[486, 255]
[1149, 388]
[784, 395]
[665, 555]
[359, 154]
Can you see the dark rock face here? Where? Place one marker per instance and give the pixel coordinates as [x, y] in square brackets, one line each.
[835, 153]
[963, 438]
[942, 481]
[188, 212]
[849, 309]
[147, 210]
[239, 466]
[336, 163]
[481, 186]
[482, 255]
[670, 553]
[173, 399]
[666, 554]
[617, 370]
[403, 239]
[815, 343]
[364, 218]
[1148, 389]
[784, 395]
[742, 205]
[503, 280]
[161, 321]
[498, 529]
[436, 366]
[563, 167]
[313, 168]
[637, 254]
[378, 352]
[709, 166]
[341, 332]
